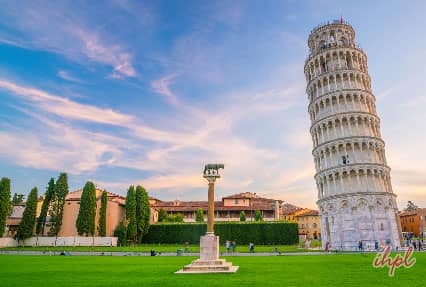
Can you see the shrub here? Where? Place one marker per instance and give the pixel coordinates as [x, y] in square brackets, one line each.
[199, 216]
[242, 232]
[258, 215]
[242, 216]
[162, 215]
[121, 233]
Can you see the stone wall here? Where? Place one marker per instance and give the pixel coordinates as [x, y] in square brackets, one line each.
[60, 241]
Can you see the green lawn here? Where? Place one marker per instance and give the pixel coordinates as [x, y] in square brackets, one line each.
[159, 248]
[322, 270]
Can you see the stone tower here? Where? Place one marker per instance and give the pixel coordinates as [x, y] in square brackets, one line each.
[355, 195]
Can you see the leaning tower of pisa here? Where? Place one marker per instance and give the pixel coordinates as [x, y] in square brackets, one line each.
[355, 195]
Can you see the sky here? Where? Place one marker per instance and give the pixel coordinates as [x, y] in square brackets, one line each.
[131, 92]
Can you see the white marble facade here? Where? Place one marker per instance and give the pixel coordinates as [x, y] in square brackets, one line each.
[355, 196]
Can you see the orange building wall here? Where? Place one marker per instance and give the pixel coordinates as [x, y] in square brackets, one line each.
[232, 202]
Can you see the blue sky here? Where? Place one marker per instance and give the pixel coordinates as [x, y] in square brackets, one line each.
[132, 92]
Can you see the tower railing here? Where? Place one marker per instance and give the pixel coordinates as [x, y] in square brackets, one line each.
[332, 45]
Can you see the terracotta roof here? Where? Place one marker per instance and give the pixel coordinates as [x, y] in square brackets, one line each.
[412, 212]
[241, 195]
[308, 213]
[17, 211]
[289, 209]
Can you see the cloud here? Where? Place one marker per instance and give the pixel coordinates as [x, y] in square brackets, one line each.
[58, 146]
[173, 157]
[162, 87]
[68, 77]
[97, 51]
[59, 29]
[64, 107]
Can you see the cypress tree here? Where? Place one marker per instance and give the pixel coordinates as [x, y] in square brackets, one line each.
[17, 199]
[57, 204]
[258, 215]
[4, 203]
[87, 213]
[26, 226]
[41, 221]
[162, 215]
[102, 217]
[143, 212]
[199, 216]
[131, 214]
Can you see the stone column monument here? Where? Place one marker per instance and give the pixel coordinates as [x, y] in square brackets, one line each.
[209, 261]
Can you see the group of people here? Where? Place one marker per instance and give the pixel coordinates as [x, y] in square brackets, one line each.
[233, 245]
[417, 244]
[229, 245]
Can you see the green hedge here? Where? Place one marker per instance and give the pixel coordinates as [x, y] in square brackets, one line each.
[241, 232]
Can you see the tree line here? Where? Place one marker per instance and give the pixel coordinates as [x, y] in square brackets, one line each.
[137, 210]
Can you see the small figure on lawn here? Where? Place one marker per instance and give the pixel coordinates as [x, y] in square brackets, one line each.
[228, 246]
[186, 247]
[234, 246]
[251, 245]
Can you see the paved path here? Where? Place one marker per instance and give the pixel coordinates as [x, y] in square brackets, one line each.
[80, 253]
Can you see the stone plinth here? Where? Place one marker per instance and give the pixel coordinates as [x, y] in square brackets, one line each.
[209, 247]
[209, 261]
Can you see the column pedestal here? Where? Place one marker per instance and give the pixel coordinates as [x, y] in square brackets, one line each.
[209, 261]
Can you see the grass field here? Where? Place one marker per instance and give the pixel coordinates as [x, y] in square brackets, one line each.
[159, 248]
[320, 270]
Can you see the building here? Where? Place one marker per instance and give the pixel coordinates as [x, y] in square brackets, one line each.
[355, 197]
[414, 221]
[309, 223]
[12, 222]
[115, 214]
[228, 209]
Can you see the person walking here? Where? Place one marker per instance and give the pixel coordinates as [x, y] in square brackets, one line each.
[360, 245]
[228, 245]
[251, 245]
[234, 246]
[376, 246]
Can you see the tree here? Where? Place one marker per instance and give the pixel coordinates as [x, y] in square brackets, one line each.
[199, 217]
[131, 214]
[162, 215]
[242, 216]
[4, 203]
[410, 206]
[258, 215]
[26, 226]
[87, 213]
[57, 204]
[41, 221]
[102, 217]
[143, 212]
[121, 233]
[17, 199]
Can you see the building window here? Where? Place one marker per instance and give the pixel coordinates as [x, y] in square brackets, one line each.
[303, 226]
[381, 227]
[345, 159]
[236, 201]
[315, 225]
